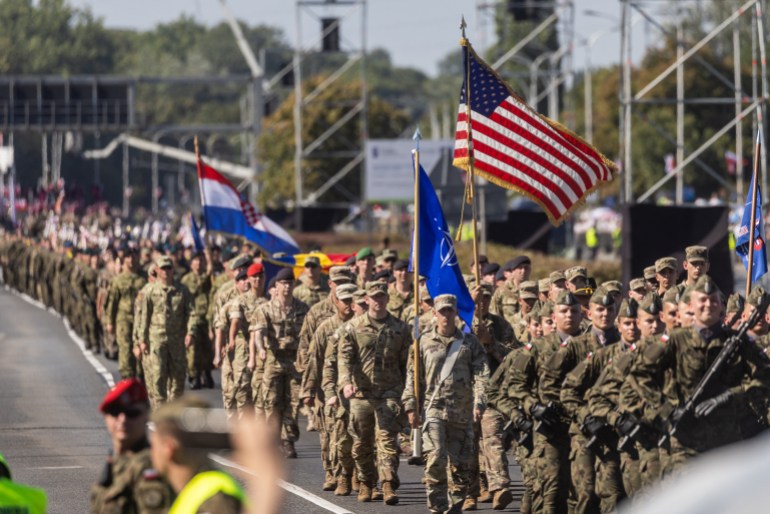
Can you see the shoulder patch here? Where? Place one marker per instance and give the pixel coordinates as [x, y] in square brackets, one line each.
[150, 474]
[589, 355]
[664, 338]
[528, 346]
[564, 343]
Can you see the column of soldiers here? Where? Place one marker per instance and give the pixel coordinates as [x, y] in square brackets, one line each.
[581, 384]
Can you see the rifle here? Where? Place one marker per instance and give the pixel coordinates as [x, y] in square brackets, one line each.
[521, 432]
[730, 346]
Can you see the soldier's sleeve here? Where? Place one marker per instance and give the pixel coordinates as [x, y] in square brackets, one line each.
[480, 367]
[329, 373]
[406, 349]
[554, 370]
[496, 305]
[576, 384]
[346, 357]
[523, 374]
[113, 298]
[310, 376]
[143, 331]
[305, 340]
[495, 382]
[193, 320]
[604, 393]
[407, 396]
[643, 388]
[152, 494]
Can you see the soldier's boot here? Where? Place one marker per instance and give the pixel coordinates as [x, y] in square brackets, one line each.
[354, 482]
[208, 379]
[469, 504]
[330, 483]
[485, 496]
[288, 450]
[376, 494]
[343, 486]
[196, 384]
[364, 492]
[389, 495]
[503, 497]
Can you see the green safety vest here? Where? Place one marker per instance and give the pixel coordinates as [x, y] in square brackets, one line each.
[592, 240]
[21, 498]
[202, 487]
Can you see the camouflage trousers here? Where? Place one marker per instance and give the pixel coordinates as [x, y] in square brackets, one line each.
[109, 344]
[650, 468]
[629, 467]
[582, 497]
[447, 445]
[236, 381]
[256, 387]
[550, 457]
[165, 371]
[280, 395]
[523, 454]
[609, 480]
[200, 354]
[337, 420]
[375, 422]
[494, 454]
[127, 366]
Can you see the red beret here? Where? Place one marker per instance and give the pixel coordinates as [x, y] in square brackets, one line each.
[254, 269]
[125, 394]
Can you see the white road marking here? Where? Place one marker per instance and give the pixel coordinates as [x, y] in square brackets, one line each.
[58, 467]
[88, 354]
[287, 486]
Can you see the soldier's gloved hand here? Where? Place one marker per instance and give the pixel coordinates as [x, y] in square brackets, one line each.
[545, 413]
[523, 424]
[676, 416]
[706, 407]
[626, 423]
[593, 424]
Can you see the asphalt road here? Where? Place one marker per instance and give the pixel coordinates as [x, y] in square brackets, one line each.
[54, 437]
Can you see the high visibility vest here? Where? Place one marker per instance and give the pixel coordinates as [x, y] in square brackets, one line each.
[202, 487]
[592, 239]
[21, 498]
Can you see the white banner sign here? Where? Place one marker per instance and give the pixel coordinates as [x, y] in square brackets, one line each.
[389, 172]
[6, 158]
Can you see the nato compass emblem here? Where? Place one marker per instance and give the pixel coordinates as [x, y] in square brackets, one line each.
[446, 248]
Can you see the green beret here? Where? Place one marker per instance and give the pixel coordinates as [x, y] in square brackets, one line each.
[364, 253]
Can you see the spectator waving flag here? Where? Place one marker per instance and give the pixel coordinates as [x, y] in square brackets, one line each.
[226, 210]
[196, 235]
[510, 144]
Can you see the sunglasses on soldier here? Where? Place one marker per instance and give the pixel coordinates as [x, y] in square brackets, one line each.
[130, 412]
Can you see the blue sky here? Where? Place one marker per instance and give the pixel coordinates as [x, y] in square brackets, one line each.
[416, 33]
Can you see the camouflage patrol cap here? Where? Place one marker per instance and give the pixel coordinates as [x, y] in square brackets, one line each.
[340, 274]
[575, 272]
[528, 290]
[651, 304]
[603, 297]
[566, 298]
[470, 280]
[613, 286]
[649, 273]
[359, 296]
[671, 296]
[556, 276]
[164, 262]
[376, 287]
[389, 254]
[190, 413]
[443, 301]
[628, 308]
[705, 284]
[242, 261]
[346, 291]
[696, 253]
[543, 285]
[756, 295]
[379, 260]
[546, 309]
[735, 303]
[666, 263]
[312, 261]
[534, 314]
[636, 283]
[487, 289]
[424, 294]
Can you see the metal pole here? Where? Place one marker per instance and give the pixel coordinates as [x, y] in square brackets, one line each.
[679, 107]
[126, 185]
[760, 9]
[625, 60]
[483, 216]
[739, 125]
[44, 154]
[154, 177]
[98, 162]
[364, 99]
[298, 126]
[752, 223]
[588, 102]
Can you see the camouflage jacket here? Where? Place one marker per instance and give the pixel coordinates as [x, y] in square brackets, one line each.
[281, 327]
[167, 314]
[242, 307]
[503, 340]
[129, 485]
[310, 294]
[505, 301]
[316, 315]
[525, 370]
[199, 285]
[396, 302]
[313, 374]
[463, 389]
[373, 356]
[123, 290]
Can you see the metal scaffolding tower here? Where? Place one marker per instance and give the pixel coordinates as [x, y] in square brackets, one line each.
[746, 103]
[330, 14]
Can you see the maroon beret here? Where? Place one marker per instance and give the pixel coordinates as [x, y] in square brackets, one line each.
[126, 393]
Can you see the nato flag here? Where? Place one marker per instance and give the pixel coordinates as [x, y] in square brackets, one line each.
[759, 263]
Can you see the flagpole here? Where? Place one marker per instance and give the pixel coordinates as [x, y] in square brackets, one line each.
[752, 223]
[200, 187]
[471, 164]
[416, 434]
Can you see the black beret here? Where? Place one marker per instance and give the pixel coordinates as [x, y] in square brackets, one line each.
[401, 264]
[490, 268]
[284, 274]
[516, 262]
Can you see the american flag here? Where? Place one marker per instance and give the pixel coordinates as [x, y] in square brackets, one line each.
[517, 148]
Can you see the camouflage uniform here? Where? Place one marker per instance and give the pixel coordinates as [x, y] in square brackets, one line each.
[129, 485]
[167, 317]
[311, 294]
[505, 301]
[397, 303]
[280, 383]
[200, 354]
[102, 300]
[373, 357]
[337, 423]
[448, 430]
[238, 397]
[120, 314]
